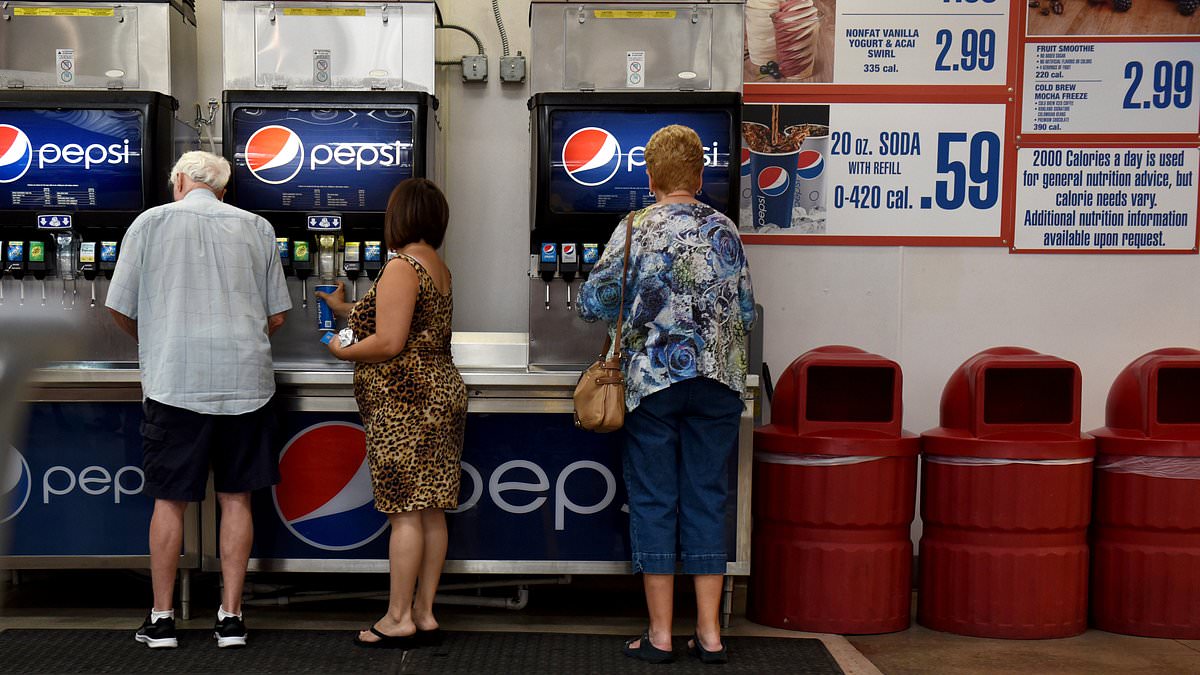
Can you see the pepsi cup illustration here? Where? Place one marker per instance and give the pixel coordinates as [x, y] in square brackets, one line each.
[325, 318]
[773, 162]
[746, 187]
[808, 212]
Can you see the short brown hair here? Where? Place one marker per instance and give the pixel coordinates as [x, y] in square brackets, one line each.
[416, 211]
[675, 158]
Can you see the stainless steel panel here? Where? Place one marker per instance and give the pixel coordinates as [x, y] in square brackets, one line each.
[599, 47]
[567, 53]
[271, 45]
[101, 44]
[101, 340]
[558, 338]
[147, 46]
[453, 566]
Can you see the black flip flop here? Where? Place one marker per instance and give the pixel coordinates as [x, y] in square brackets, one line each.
[706, 657]
[646, 651]
[389, 641]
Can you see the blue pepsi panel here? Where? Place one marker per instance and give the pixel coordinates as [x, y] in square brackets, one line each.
[298, 159]
[533, 488]
[74, 485]
[71, 159]
[597, 163]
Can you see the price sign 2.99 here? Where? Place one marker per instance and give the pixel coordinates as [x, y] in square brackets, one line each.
[1118, 88]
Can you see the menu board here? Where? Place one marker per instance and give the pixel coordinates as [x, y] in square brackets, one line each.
[1037, 125]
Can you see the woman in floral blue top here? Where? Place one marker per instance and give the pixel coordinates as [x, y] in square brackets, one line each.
[688, 307]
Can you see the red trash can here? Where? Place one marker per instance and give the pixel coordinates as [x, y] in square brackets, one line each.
[1146, 529]
[1005, 498]
[834, 492]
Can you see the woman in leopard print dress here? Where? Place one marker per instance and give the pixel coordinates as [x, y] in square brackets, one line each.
[413, 404]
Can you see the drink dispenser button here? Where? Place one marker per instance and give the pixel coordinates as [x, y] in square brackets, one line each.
[372, 258]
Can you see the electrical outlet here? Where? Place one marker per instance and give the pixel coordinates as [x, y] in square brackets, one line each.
[512, 68]
[474, 68]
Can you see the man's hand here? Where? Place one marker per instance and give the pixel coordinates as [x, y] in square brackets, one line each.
[125, 323]
[275, 322]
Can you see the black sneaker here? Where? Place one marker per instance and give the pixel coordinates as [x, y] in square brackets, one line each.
[230, 632]
[157, 634]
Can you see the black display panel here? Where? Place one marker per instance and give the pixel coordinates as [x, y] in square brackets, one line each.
[311, 159]
[597, 162]
[588, 162]
[71, 159]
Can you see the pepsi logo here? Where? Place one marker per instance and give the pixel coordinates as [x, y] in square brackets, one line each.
[15, 484]
[16, 153]
[547, 249]
[274, 154]
[745, 161]
[591, 156]
[324, 494]
[773, 181]
[810, 164]
[568, 249]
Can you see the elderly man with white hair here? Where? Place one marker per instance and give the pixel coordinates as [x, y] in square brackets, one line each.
[200, 286]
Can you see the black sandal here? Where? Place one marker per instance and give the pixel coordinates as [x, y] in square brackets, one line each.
[646, 651]
[388, 641]
[706, 657]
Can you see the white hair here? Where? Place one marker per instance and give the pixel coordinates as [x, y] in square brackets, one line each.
[202, 167]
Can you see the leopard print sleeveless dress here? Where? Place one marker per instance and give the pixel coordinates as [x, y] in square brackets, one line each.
[413, 406]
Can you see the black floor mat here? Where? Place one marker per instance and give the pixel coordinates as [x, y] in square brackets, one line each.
[299, 651]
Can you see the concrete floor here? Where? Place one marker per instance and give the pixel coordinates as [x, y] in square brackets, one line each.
[598, 605]
[919, 650]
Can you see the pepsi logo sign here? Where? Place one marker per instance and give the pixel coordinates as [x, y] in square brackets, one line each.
[773, 181]
[16, 153]
[591, 156]
[274, 154]
[15, 484]
[324, 495]
[810, 164]
[745, 161]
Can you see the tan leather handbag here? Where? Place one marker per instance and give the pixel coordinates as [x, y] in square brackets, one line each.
[600, 392]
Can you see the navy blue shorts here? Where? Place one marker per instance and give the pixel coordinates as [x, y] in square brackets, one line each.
[179, 446]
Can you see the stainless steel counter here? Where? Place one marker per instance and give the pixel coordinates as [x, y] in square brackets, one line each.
[494, 368]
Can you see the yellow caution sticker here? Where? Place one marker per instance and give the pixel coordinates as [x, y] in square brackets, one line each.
[324, 11]
[635, 13]
[63, 11]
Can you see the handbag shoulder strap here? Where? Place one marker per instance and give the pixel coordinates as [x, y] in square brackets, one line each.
[615, 346]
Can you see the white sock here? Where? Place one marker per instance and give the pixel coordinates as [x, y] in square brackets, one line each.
[222, 614]
[155, 615]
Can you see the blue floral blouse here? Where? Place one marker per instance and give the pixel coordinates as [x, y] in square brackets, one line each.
[689, 302]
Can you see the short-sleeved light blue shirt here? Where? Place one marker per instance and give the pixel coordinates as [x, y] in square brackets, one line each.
[201, 277]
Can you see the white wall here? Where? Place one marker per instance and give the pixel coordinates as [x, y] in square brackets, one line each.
[928, 308]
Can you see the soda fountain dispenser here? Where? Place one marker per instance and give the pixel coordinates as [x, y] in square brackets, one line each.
[603, 79]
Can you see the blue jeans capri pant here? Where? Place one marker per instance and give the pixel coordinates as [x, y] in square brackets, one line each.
[678, 443]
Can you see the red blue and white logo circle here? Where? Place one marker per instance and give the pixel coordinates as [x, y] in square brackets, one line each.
[324, 494]
[591, 156]
[568, 249]
[274, 154]
[745, 162]
[15, 484]
[810, 164]
[16, 153]
[773, 181]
